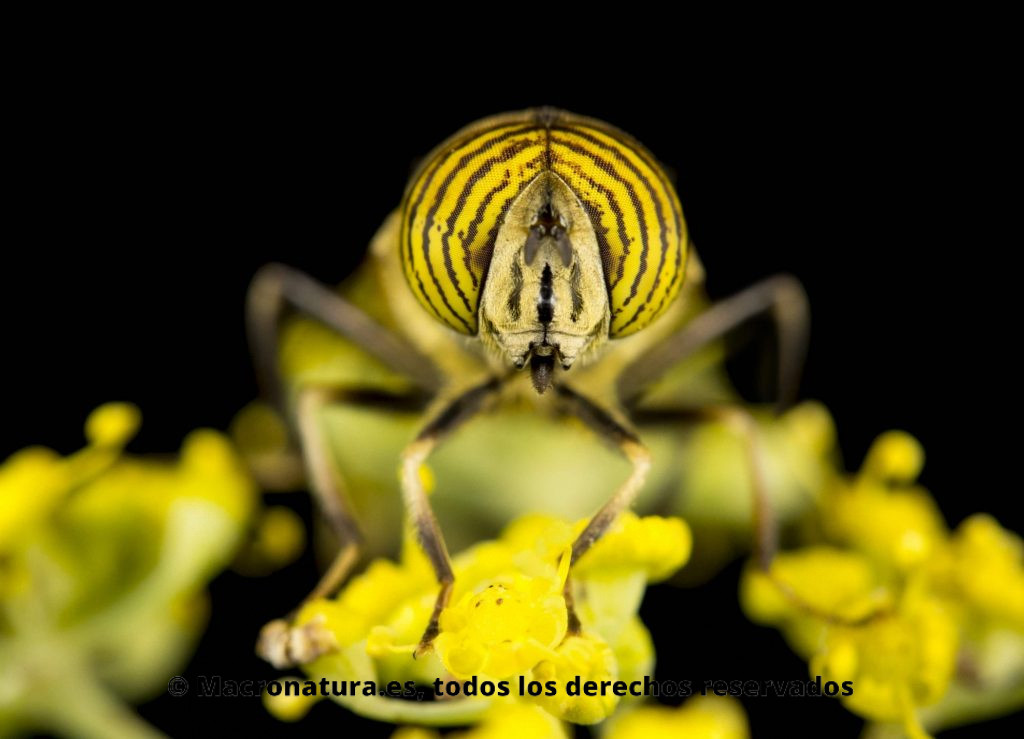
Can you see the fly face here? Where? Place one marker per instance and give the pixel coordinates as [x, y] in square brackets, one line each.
[544, 235]
[545, 302]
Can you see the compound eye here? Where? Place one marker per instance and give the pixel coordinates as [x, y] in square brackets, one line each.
[456, 201]
[635, 214]
[453, 209]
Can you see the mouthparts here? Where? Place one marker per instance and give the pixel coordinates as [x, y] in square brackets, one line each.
[542, 367]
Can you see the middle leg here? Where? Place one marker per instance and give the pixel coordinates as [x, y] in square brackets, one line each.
[280, 643]
[765, 539]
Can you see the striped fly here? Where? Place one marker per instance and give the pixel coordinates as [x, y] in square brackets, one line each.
[539, 260]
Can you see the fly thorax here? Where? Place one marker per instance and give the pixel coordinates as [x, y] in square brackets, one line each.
[545, 302]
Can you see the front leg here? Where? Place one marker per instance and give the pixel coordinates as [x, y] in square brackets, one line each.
[417, 505]
[602, 422]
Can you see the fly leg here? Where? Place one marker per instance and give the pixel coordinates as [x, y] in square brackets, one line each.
[781, 296]
[627, 442]
[280, 643]
[417, 505]
[275, 288]
[765, 544]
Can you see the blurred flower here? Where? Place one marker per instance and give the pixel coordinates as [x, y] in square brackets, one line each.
[103, 557]
[927, 625]
[277, 538]
[509, 720]
[507, 619]
[701, 717]
[289, 705]
[881, 512]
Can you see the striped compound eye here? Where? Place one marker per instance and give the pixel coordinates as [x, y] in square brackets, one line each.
[456, 205]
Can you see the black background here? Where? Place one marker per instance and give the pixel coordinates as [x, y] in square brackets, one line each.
[146, 195]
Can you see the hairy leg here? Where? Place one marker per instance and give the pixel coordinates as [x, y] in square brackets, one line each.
[781, 296]
[784, 299]
[605, 425]
[279, 643]
[417, 505]
[765, 526]
[275, 288]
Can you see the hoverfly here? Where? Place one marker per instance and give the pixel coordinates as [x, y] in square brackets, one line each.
[538, 267]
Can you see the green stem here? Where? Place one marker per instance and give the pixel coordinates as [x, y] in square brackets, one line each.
[435, 713]
[74, 703]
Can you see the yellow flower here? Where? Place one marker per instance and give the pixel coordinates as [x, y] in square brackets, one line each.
[289, 706]
[927, 626]
[503, 630]
[507, 618]
[579, 660]
[657, 546]
[896, 663]
[807, 588]
[634, 651]
[103, 560]
[982, 575]
[988, 570]
[278, 539]
[507, 720]
[899, 655]
[34, 481]
[828, 580]
[881, 513]
[702, 717]
[895, 456]
[514, 719]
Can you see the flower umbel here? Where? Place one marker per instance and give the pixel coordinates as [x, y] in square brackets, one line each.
[894, 602]
[507, 619]
[103, 560]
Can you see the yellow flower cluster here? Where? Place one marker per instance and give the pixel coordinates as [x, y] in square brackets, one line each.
[506, 721]
[507, 620]
[928, 624]
[699, 718]
[103, 558]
